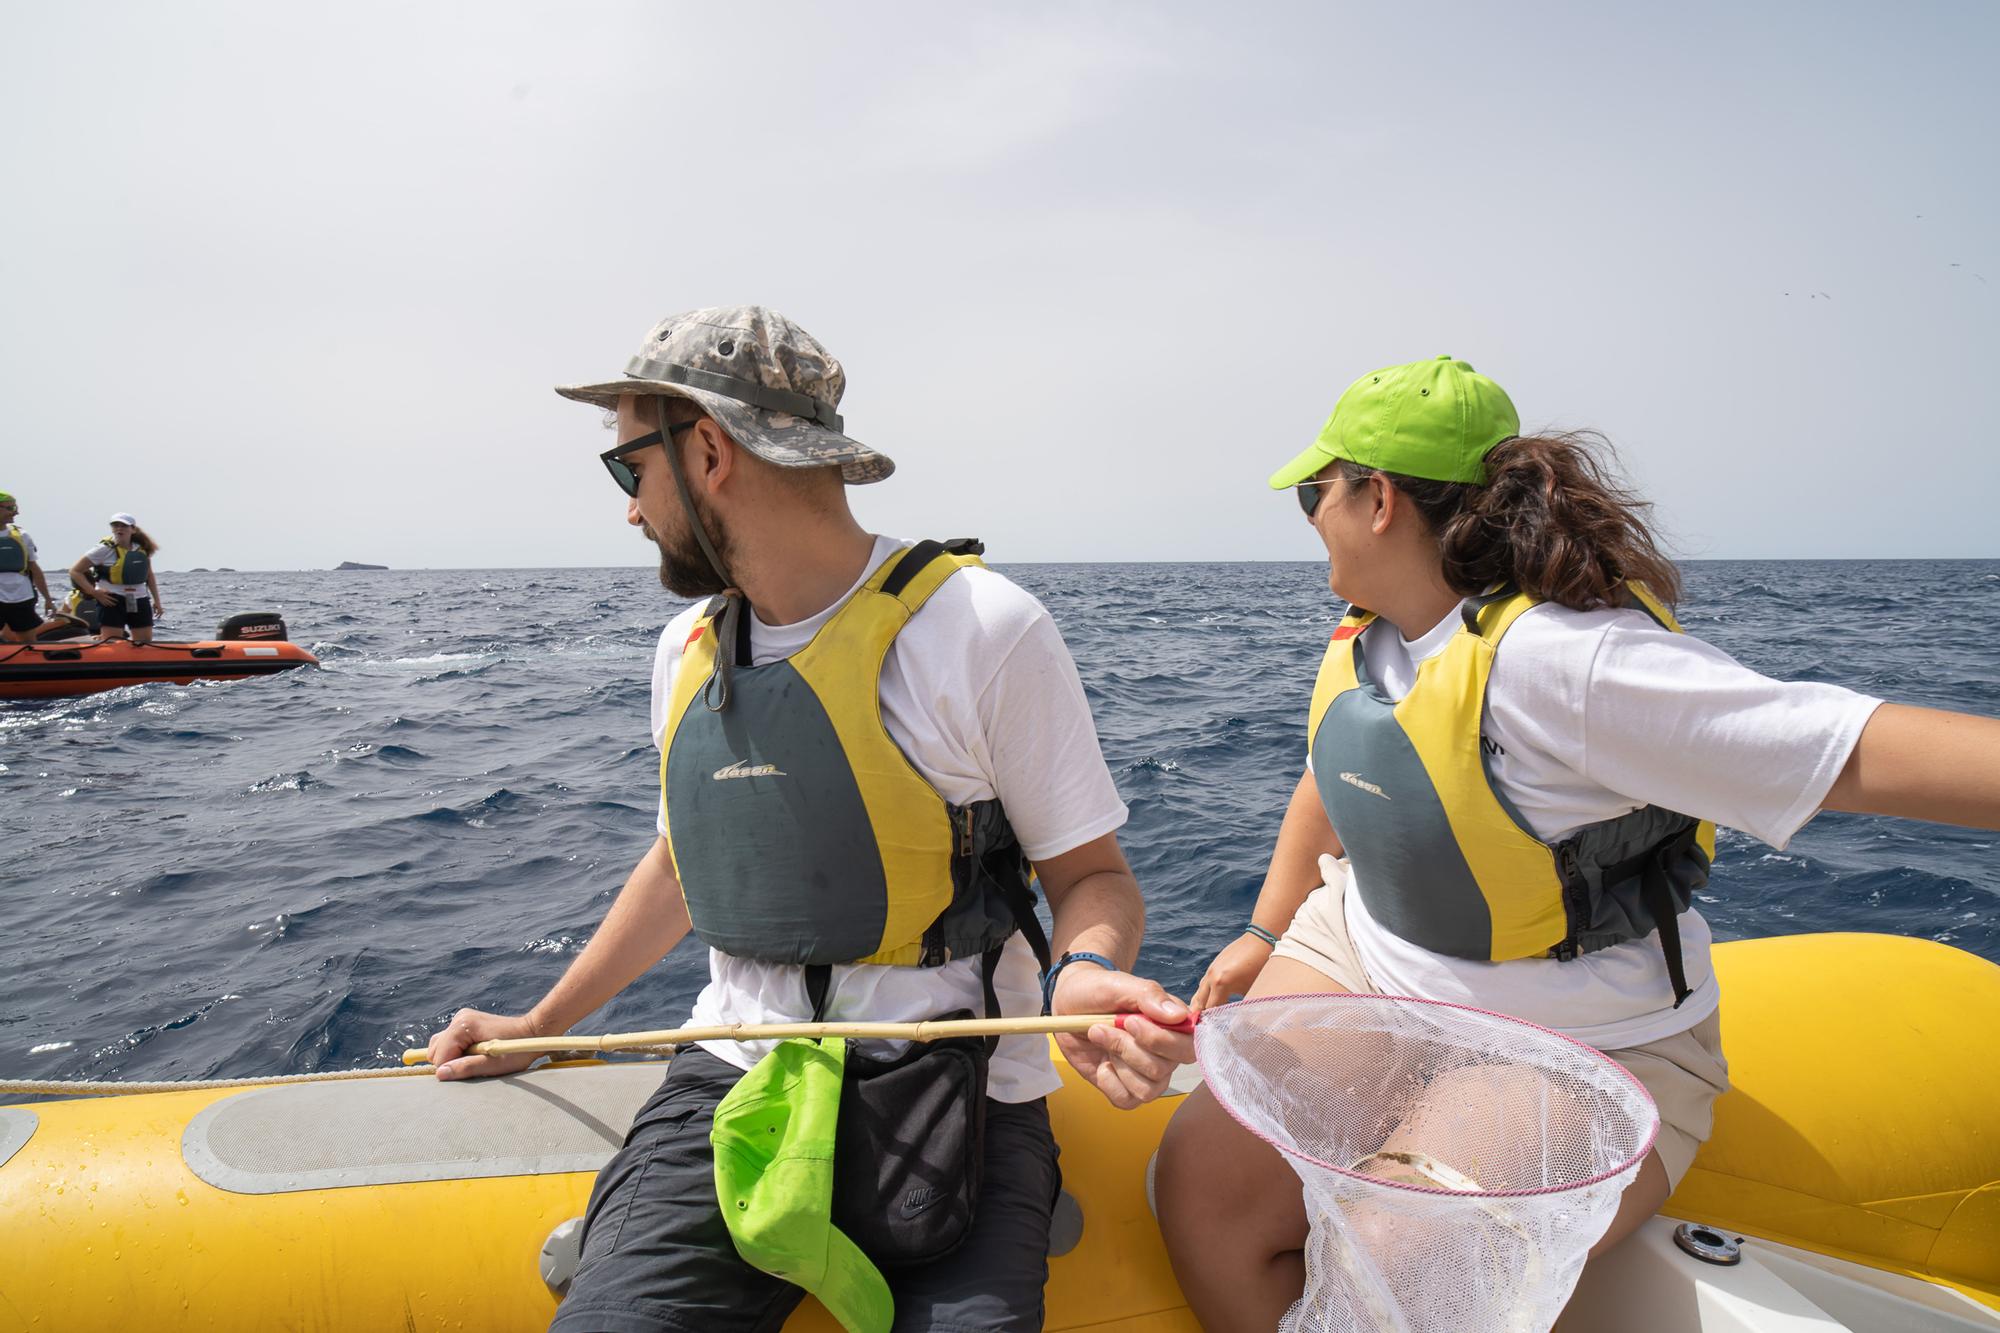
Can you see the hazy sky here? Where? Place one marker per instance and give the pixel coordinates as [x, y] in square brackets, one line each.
[292, 282]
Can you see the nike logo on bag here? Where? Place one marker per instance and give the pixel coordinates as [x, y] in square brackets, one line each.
[917, 1200]
[1356, 780]
[746, 770]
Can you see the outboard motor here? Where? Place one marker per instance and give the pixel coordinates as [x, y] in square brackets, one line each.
[253, 625]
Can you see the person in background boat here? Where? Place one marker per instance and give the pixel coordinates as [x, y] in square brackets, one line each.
[1516, 762]
[78, 616]
[118, 574]
[731, 450]
[20, 579]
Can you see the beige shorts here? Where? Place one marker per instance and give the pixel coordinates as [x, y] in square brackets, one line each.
[1685, 1073]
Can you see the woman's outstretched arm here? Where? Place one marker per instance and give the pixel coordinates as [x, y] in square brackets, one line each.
[1921, 763]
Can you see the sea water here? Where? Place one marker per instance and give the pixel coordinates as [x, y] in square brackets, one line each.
[312, 871]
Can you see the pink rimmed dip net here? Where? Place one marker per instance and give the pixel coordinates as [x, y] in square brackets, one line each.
[1458, 1165]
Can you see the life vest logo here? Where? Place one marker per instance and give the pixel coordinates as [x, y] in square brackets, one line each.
[1356, 780]
[742, 769]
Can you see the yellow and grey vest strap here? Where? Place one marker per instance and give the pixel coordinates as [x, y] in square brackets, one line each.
[1640, 597]
[1490, 615]
[1336, 669]
[912, 579]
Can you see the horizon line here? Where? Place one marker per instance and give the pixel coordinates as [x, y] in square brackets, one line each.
[1692, 560]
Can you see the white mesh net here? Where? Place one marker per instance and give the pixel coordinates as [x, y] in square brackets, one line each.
[1458, 1165]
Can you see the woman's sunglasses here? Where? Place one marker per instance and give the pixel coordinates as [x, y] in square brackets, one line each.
[621, 471]
[1309, 493]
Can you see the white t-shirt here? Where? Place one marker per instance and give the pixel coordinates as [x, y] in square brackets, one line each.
[1591, 715]
[980, 693]
[19, 587]
[105, 554]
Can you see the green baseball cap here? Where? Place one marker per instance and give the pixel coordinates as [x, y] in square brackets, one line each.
[1433, 419]
[773, 1142]
[6, 499]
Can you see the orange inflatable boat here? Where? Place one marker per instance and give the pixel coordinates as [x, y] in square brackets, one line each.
[248, 646]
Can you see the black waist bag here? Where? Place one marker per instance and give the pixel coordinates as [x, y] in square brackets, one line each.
[909, 1148]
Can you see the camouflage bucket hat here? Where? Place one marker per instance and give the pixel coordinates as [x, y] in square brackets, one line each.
[766, 381]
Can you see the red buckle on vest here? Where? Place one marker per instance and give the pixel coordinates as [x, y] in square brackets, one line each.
[1347, 632]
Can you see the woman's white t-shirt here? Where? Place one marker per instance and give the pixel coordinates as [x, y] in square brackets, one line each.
[1591, 715]
[980, 693]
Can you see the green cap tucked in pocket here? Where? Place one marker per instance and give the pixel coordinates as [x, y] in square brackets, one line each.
[773, 1141]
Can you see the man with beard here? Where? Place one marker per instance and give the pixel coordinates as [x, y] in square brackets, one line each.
[866, 743]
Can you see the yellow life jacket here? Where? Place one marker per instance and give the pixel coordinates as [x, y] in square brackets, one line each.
[800, 831]
[13, 550]
[129, 567]
[1441, 858]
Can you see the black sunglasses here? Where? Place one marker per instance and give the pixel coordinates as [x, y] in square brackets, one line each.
[621, 472]
[1309, 493]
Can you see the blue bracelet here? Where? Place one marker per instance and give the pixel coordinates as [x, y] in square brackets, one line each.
[1049, 977]
[1254, 929]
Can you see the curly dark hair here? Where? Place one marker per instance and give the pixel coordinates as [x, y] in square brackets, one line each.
[1553, 519]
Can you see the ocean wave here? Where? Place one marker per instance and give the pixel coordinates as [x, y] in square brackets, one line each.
[399, 756]
[474, 814]
[437, 659]
[298, 781]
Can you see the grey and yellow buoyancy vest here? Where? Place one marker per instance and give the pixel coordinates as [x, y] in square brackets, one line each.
[1441, 858]
[128, 568]
[799, 830]
[13, 551]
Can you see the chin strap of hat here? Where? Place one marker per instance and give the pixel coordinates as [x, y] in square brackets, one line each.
[729, 622]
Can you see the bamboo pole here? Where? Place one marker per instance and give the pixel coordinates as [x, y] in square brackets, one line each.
[929, 1030]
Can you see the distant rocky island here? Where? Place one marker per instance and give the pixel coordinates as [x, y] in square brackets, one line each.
[219, 569]
[356, 564]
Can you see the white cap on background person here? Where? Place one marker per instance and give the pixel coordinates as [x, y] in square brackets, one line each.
[126, 519]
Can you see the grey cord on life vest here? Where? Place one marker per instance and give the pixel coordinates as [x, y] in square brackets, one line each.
[715, 691]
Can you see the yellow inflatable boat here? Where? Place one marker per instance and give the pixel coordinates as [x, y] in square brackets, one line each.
[1853, 1182]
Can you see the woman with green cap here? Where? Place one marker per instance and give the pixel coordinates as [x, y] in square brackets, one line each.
[1516, 762]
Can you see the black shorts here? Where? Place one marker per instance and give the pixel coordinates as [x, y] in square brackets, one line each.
[135, 614]
[657, 1257]
[19, 616]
